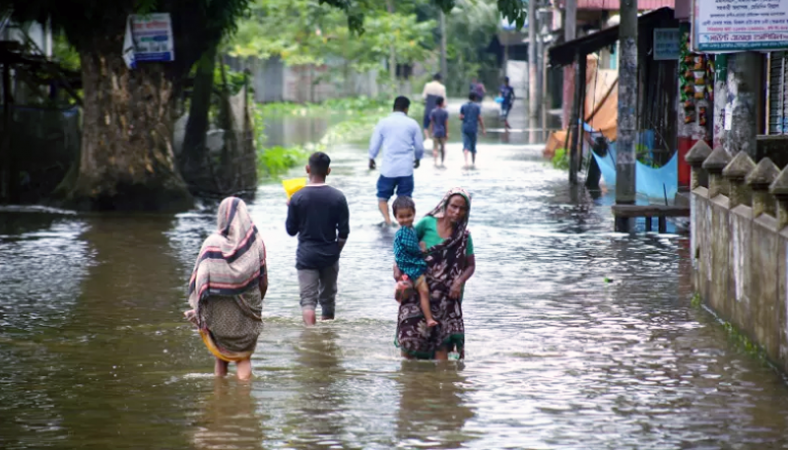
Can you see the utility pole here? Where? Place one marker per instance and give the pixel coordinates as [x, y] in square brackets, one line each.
[533, 89]
[444, 65]
[627, 103]
[570, 32]
[745, 78]
[541, 79]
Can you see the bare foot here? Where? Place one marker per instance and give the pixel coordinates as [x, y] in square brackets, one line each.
[431, 323]
[309, 317]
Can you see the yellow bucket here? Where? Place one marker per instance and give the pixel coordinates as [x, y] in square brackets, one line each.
[293, 185]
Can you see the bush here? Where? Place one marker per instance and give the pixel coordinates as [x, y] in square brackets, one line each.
[561, 159]
[276, 161]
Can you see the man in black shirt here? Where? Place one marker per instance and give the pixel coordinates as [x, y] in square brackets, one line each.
[319, 215]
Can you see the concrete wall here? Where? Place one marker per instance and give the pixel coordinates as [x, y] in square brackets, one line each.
[274, 81]
[739, 268]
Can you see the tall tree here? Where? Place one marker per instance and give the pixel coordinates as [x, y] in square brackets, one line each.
[309, 33]
[126, 160]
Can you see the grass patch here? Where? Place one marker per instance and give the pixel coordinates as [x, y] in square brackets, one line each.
[350, 106]
[560, 159]
[273, 162]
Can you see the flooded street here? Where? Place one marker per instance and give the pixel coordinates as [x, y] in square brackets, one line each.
[95, 353]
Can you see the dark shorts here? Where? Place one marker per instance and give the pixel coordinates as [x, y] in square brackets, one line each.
[386, 187]
[505, 108]
[426, 121]
[469, 141]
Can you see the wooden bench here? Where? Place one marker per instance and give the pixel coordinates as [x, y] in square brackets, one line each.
[662, 212]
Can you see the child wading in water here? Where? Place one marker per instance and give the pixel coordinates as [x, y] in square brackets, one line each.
[471, 116]
[439, 129]
[409, 257]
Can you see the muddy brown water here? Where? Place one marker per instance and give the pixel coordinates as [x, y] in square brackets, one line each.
[95, 354]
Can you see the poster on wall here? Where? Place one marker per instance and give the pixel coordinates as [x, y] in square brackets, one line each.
[148, 39]
[723, 26]
[666, 44]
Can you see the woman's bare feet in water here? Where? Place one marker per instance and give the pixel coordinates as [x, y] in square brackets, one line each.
[191, 316]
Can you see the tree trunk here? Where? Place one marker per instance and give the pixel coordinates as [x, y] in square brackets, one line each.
[127, 161]
[194, 154]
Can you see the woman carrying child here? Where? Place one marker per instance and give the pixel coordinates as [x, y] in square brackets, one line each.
[450, 263]
[409, 257]
[227, 288]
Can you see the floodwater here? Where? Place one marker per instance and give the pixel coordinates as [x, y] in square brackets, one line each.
[95, 354]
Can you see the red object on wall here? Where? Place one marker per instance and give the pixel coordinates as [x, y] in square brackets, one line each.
[684, 146]
[685, 143]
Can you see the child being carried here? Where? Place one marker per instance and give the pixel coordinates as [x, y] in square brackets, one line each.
[409, 257]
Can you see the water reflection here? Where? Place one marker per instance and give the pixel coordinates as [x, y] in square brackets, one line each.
[230, 417]
[433, 406]
[577, 337]
[318, 418]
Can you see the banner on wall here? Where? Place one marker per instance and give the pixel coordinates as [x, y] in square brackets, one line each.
[725, 26]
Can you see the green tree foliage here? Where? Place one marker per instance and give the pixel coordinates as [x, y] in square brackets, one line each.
[356, 10]
[309, 32]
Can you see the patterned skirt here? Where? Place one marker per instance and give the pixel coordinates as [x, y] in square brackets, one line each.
[414, 338]
[232, 324]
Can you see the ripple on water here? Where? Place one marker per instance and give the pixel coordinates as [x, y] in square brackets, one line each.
[577, 337]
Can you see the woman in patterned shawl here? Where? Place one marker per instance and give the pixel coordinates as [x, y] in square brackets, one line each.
[450, 263]
[227, 288]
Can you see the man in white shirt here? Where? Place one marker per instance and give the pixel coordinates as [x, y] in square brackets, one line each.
[403, 148]
[432, 91]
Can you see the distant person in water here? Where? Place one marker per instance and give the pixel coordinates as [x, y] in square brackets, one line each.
[507, 94]
[478, 88]
[439, 129]
[409, 258]
[471, 117]
[431, 93]
[227, 288]
[319, 215]
[403, 148]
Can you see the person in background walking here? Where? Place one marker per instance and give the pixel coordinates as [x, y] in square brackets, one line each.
[507, 94]
[478, 88]
[319, 215]
[432, 91]
[403, 148]
[439, 129]
[471, 117]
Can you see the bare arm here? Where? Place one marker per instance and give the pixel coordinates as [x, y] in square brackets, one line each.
[470, 268]
[481, 123]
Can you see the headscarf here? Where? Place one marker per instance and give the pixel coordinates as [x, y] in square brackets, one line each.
[232, 259]
[439, 212]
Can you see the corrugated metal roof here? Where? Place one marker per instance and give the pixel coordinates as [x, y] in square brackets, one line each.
[566, 53]
[616, 5]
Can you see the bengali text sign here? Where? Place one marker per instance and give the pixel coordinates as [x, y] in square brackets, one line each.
[739, 25]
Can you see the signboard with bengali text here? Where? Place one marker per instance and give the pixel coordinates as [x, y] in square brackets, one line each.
[666, 44]
[148, 38]
[723, 26]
